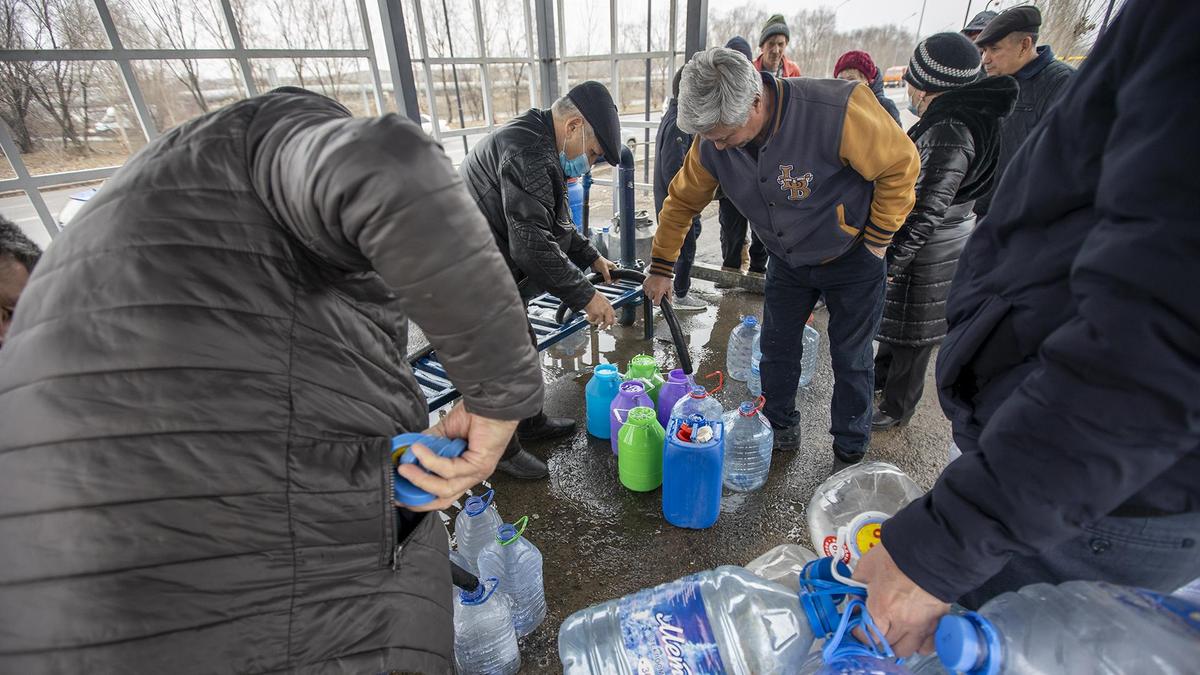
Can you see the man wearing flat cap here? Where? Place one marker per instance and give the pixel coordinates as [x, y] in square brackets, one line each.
[517, 176]
[977, 24]
[1008, 44]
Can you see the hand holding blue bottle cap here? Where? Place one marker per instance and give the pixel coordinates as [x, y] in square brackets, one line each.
[406, 493]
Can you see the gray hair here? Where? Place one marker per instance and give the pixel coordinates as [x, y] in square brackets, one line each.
[718, 87]
[564, 107]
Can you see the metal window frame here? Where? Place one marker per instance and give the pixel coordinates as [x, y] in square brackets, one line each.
[117, 53]
[544, 25]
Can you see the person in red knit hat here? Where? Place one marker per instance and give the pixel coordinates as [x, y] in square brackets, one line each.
[858, 66]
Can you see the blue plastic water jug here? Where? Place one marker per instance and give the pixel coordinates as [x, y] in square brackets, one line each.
[601, 390]
[692, 462]
[575, 200]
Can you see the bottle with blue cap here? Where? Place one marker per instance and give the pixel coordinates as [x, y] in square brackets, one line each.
[725, 620]
[475, 526]
[698, 402]
[737, 354]
[517, 563]
[754, 379]
[1077, 627]
[484, 640]
[748, 447]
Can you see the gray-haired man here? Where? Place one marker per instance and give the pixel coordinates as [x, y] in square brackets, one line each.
[825, 177]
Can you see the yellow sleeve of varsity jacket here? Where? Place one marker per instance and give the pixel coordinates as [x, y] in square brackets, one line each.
[881, 152]
[690, 191]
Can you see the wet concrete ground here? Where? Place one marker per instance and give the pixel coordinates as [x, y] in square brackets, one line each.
[600, 541]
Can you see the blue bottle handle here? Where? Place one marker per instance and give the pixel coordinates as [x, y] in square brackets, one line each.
[407, 493]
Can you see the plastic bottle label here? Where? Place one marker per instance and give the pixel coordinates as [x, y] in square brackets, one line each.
[829, 547]
[668, 633]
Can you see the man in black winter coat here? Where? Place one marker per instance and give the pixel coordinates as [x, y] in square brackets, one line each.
[1070, 372]
[1009, 47]
[517, 177]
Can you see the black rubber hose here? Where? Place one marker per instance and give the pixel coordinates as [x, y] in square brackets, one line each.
[681, 351]
[462, 578]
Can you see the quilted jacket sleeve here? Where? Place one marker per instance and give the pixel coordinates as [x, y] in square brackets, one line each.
[527, 191]
[946, 151]
[377, 193]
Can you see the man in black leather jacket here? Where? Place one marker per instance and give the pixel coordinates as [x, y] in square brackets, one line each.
[517, 177]
[1009, 47]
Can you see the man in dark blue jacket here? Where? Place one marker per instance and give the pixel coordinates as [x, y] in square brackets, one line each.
[1073, 360]
[670, 147]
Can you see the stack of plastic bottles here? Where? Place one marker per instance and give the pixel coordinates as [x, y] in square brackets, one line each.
[517, 564]
[743, 356]
[847, 510]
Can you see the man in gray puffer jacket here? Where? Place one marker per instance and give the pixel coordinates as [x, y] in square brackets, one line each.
[200, 385]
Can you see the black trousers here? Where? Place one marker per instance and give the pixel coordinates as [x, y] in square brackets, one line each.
[733, 239]
[514, 444]
[900, 372]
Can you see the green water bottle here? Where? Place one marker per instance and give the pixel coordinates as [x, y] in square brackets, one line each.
[640, 450]
[643, 367]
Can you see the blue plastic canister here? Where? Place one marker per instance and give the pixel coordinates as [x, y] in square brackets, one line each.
[575, 201]
[407, 493]
[691, 491]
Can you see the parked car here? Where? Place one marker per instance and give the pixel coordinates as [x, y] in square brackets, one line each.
[894, 76]
[75, 203]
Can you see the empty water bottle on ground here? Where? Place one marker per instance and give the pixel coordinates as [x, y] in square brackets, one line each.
[692, 466]
[737, 355]
[782, 564]
[722, 620]
[517, 563]
[754, 381]
[599, 394]
[640, 450]
[475, 526]
[748, 443]
[1078, 627]
[808, 360]
[675, 388]
[484, 640]
[698, 402]
[847, 510]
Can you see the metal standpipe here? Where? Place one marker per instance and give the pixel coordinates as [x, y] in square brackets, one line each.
[628, 231]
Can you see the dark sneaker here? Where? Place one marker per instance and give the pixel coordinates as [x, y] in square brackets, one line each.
[881, 420]
[787, 438]
[847, 457]
[546, 428]
[524, 466]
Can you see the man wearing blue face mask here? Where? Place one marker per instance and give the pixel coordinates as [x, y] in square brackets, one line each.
[517, 176]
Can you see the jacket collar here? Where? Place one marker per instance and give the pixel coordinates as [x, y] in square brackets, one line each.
[781, 88]
[1045, 56]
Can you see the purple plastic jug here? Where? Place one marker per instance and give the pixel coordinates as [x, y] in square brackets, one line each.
[631, 395]
[675, 388]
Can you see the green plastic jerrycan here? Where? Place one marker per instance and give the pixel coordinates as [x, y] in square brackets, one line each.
[643, 367]
[640, 450]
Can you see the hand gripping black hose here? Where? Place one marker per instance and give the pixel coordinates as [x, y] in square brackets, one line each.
[681, 351]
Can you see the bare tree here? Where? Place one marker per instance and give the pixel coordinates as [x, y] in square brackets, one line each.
[166, 25]
[16, 78]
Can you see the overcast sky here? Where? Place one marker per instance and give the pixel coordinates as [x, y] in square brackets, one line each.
[940, 15]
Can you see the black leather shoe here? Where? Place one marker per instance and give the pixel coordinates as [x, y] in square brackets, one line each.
[524, 466]
[546, 427]
[847, 458]
[881, 420]
[786, 439]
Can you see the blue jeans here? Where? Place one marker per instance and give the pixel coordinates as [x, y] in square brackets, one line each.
[1160, 554]
[853, 287]
[687, 256]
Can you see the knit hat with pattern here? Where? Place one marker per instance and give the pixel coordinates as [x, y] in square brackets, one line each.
[943, 62]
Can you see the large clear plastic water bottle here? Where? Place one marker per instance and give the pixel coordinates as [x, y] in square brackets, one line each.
[1078, 627]
[808, 360]
[754, 381]
[847, 510]
[737, 356]
[697, 403]
[748, 446]
[475, 526]
[782, 564]
[518, 565]
[484, 641]
[723, 620]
